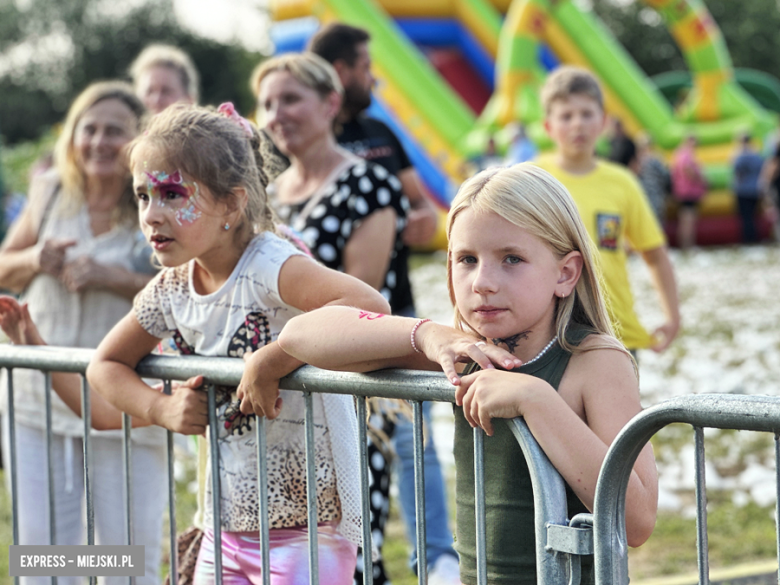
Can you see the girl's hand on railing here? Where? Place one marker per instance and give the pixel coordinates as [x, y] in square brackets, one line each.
[17, 324]
[259, 387]
[490, 394]
[184, 411]
[447, 346]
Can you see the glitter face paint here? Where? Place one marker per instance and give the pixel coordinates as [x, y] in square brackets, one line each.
[174, 193]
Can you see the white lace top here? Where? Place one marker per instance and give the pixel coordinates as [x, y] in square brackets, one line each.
[247, 312]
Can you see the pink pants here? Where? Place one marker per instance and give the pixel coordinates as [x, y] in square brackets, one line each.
[289, 557]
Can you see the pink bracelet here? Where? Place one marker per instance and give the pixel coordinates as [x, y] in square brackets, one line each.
[414, 330]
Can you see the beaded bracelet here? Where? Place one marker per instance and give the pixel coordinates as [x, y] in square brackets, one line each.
[414, 330]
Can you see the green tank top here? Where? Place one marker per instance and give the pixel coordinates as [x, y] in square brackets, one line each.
[509, 502]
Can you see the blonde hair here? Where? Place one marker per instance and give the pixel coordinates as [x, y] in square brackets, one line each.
[172, 58]
[567, 81]
[532, 199]
[65, 158]
[218, 153]
[307, 68]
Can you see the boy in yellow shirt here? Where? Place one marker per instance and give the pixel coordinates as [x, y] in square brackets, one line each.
[611, 203]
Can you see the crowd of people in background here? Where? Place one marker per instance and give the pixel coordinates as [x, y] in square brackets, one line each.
[317, 204]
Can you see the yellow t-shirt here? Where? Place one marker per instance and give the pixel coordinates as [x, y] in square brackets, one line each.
[616, 213]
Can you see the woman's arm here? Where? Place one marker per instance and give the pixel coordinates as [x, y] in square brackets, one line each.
[423, 217]
[112, 373]
[21, 259]
[768, 172]
[343, 338]
[84, 273]
[575, 426]
[16, 322]
[367, 253]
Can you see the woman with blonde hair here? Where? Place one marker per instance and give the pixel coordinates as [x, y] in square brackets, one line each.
[74, 255]
[350, 212]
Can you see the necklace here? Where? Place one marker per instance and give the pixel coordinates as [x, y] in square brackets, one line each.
[544, 351]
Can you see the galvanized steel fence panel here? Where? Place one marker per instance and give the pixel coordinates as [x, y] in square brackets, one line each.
[719, 411]
[412, 386]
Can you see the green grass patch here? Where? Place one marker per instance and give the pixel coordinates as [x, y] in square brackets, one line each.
[17, 161]
[737, 534]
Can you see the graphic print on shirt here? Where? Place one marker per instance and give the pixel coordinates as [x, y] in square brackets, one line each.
[253, 334]
[607, 230]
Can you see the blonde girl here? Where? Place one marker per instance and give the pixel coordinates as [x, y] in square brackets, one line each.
[227, 287]
[532, 327]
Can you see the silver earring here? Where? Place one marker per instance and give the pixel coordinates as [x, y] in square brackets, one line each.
[227, 226]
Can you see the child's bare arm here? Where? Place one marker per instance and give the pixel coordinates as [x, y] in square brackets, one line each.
[610, 399]
[662, 273]
[306, 285]
[16, 322]
[112, 374]
[574, 426]
[343, 338]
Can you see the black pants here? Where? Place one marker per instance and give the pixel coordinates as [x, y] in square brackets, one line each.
[747, 213]
[379, 466]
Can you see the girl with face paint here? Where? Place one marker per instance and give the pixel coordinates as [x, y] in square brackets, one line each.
[228, 286]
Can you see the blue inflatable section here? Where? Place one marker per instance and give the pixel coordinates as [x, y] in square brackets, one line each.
[437, 183]
[547, 58]
[291, 36]
[445, 32]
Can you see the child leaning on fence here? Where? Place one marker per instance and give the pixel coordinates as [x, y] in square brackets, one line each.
[533, 331]
[228, 285]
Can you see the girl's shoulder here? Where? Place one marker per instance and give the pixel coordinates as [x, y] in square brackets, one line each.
[591, 340]
[598, 347]
[601, 359]
[271, 247]
[170, 281]
[262, 262]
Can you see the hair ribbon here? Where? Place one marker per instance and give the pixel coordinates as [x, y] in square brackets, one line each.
[229, 111]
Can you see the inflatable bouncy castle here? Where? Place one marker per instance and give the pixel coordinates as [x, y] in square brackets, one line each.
[453, 73]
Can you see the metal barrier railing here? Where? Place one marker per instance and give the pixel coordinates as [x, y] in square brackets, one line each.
[556, 557]
[719, 411]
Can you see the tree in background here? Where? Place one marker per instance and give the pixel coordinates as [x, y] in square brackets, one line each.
[749, 29]
[51, 49]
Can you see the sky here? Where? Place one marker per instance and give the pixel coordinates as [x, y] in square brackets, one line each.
[227, 20]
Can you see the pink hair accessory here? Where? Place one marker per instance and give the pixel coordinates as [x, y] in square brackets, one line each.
[229, 111]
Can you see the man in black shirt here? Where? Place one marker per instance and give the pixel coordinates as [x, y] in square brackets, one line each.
[346, 48]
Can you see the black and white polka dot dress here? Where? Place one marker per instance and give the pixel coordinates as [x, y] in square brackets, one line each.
[358, 192]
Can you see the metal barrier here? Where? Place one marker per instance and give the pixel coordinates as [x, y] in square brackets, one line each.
[557, 544]
[720, 411]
